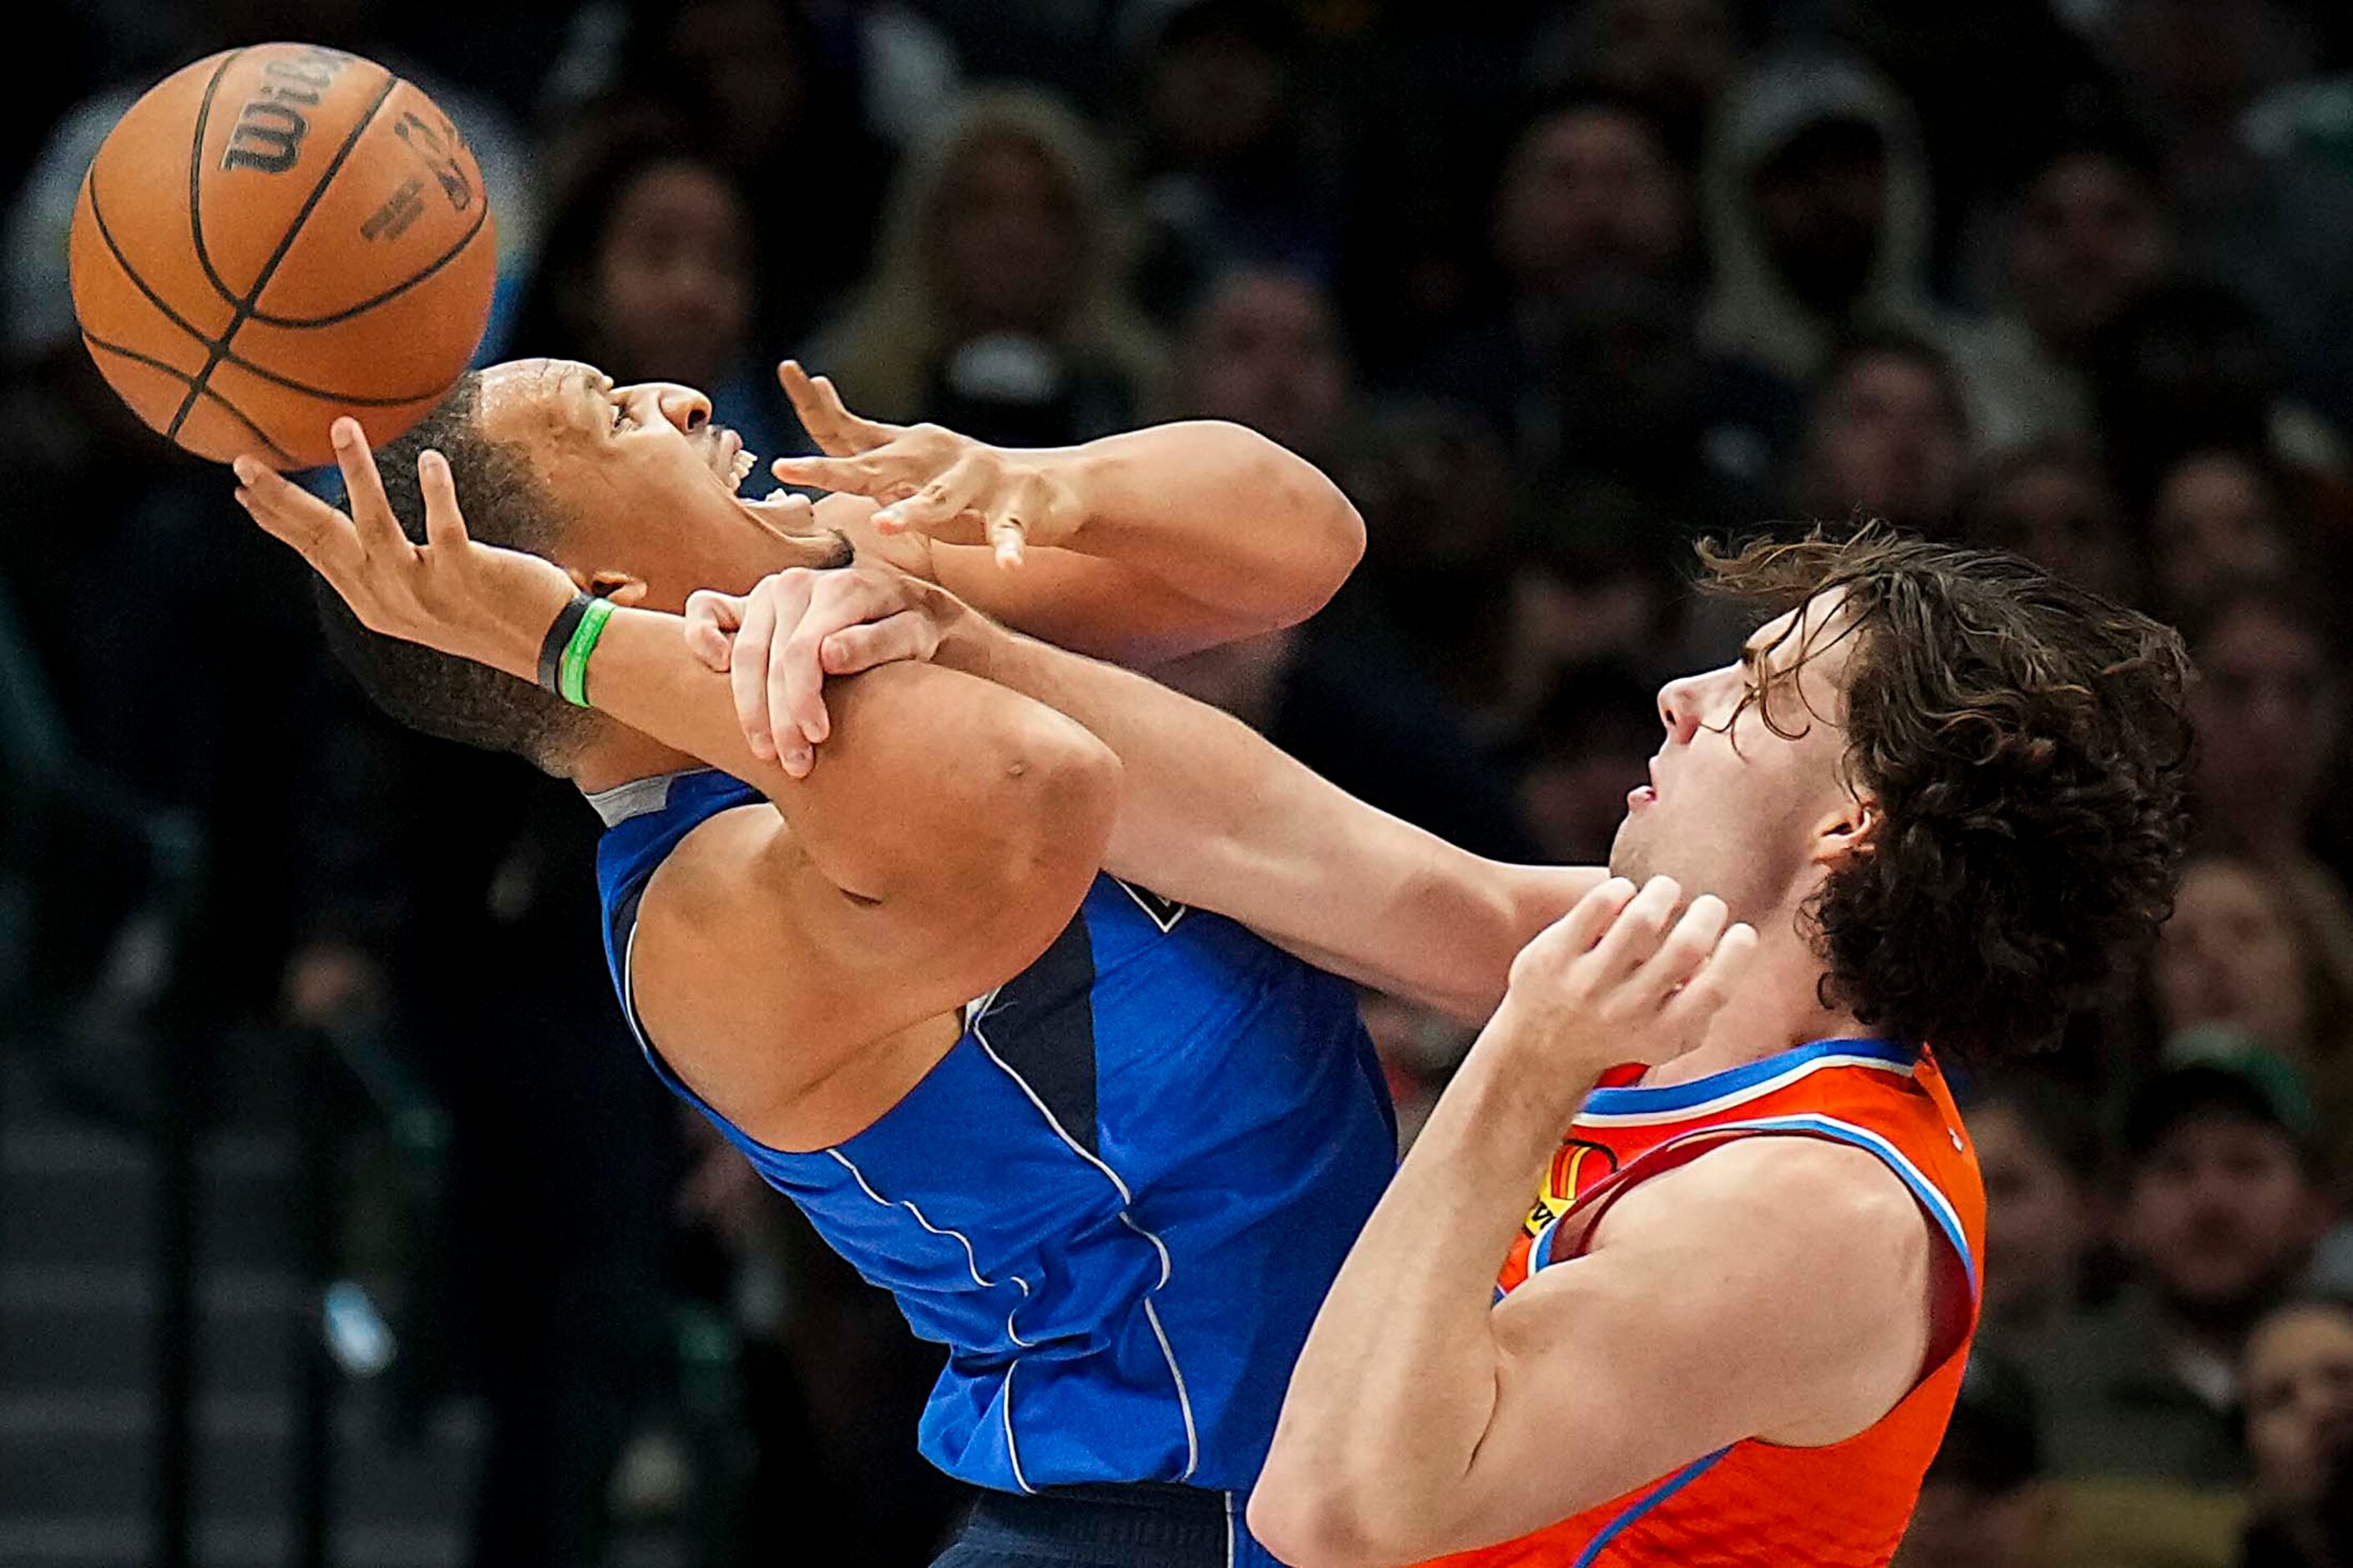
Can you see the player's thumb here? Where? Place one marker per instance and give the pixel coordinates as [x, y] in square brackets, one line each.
[711, 619]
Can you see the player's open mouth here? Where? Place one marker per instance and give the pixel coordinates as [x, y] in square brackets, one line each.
[730, 460]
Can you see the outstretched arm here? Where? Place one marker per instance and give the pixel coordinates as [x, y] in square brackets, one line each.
[1209, 813]
[939, 846]
[1138, 547]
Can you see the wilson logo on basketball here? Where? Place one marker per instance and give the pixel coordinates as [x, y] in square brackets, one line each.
[269, 128]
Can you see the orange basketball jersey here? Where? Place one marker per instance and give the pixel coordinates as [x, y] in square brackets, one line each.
[1844, 1506]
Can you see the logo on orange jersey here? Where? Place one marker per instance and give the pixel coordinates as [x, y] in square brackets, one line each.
[1576, 1166]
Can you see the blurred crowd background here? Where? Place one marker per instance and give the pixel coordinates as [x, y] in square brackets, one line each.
[1553, 290]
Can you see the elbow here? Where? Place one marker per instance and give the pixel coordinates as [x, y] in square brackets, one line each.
[1319, 1520]
[1331, 534]
[1341, 537]
[1315, 532]
[1057, 792]
[1309, 1524]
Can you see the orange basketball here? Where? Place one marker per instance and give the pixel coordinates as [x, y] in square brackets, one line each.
[277, 236]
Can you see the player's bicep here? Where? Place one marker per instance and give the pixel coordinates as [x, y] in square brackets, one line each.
[1775, 1289]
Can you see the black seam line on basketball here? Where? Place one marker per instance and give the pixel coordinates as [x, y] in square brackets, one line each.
[455, 251]
[285, 244]
[325, 394]
[98, 215]
[218, 347]
[196, 180]
[184, 378]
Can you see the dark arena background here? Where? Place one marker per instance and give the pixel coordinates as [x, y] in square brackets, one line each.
[340, 1220]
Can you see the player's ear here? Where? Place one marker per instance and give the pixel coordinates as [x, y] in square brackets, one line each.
[1846, 831]
[619, 587]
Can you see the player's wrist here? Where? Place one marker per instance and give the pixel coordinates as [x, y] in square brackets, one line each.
[969, 642]
[1541, 1057]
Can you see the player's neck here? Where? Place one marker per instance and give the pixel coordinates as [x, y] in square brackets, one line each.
[1778, 1007]
[624, 756]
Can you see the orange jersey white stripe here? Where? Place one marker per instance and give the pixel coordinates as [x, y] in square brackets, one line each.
[1844, 1506]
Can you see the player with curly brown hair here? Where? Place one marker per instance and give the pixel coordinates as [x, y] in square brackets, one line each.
[1946, 790]
[1938, 799]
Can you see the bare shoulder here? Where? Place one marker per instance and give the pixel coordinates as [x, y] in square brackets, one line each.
[1792, 1203]
[722, 871]
[732, 938]
[1816, 1249]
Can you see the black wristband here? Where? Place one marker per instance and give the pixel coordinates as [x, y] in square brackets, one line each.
[559, 637]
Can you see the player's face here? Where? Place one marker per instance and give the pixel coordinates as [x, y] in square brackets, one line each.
[1747, 798]
[649, 483]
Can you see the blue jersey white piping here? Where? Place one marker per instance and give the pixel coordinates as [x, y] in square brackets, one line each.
[1127, 1198]
[971, 1258]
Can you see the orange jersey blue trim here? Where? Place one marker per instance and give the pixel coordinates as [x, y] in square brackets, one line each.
[1842, 1506]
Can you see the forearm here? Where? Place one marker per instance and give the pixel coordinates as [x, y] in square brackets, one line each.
[1397, 1385]
[1189, 535]
[1213, 816]
[914, 744]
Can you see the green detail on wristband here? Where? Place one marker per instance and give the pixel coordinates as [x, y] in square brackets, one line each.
[572, 680]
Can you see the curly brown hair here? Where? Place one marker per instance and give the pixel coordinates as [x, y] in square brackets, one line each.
[2026, 744]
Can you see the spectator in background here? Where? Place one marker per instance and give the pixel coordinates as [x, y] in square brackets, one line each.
[908, 73]
[1343, 697]
[1587, 199]
[1984, 1503]
[1816, 200]
[2051, 502]
[2187, 366]
[1223, 167]
[1673, 57]
[1435, 486]
[2217, 515]
[2280, 227]
[1887, 436]
[2269, 713]
[2086, 234]
[1263, 348]
[1590, 741]
[996, 305]
[650, 275]
[2266, 957]
[1589, 361]
[2038, 1147]
[2297, 1374]
[754, 86]
[2237, 954]
[1573, 607]
[2222, 1210]
[1943, 57]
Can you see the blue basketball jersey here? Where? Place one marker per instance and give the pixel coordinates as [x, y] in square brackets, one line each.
[1118, 1199]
